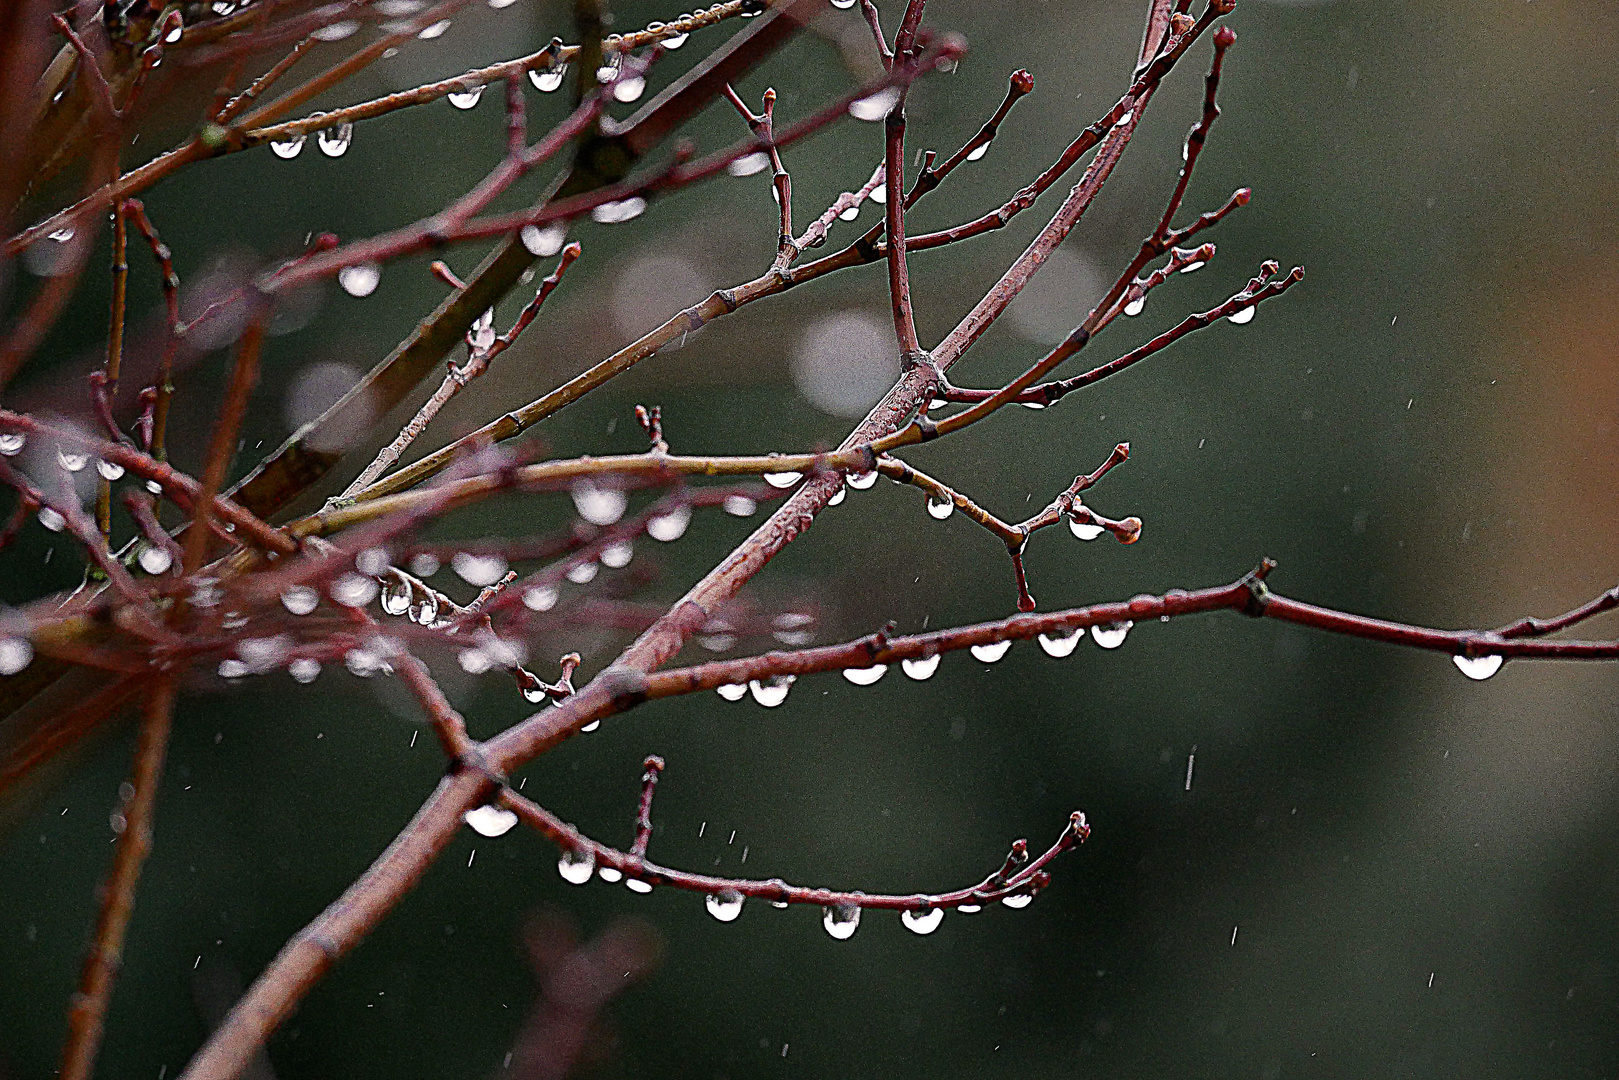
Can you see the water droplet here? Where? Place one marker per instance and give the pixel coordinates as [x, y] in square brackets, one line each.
[466, 99]
[1478, 667]
[337, 31]
[1127, 117]
[921, 667]
[862, 481]
[287, 149]
[850, 214]
[978, 152]
[970, 909]
[599, 505]
[424, 564]
[773, 693]
[395, 598]
[300, 599]
[733, 691]
[843, 4]
[865, 676]
[582, 573]
[1244, 315]
[360, 280]
[1018, 900]
[991, 652]
[724, 905]
[671, 526]
[675, 41]
[544, 242]
[434, 31]
[474, 661]
[1134, 307]
[155, 560]
[479, 570]
[717, 635]
[1061, 643]
[1110, 635]
[154, 487]
[740, 506]
[577, 866]
[491, 820]
[15, 654]
[923, 921]
[592, 726]
[363, 663]
[1193, 266]
[750, 164]
[71, 462]
[206, 593]
[12, 442]
[611, 213]
[334, 141]
[110, 470]
[617, 555]
[548, 80]
[609, 874]
[631, 89]
[540, 598]
[783, 480]
[876, 106]
[636, 885]
[1084, 529]
[424, 612]
[232, 669]
[62, 235]
[608, 71]
[837, 499]
[223, 7]
[940, 507]
[500, 5]
[304, 669]
[841, 920]
[353, 590]
[51, 519]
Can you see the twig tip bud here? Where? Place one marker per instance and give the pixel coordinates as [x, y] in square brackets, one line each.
[1022, 82]
[1225, 37]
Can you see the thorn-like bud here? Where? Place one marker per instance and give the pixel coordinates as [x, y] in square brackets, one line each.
[1078, 827]
[1180, 23]
[653, 764]
[1022, 82]
[1225, 37]
[1131, 531]
[1242, 196]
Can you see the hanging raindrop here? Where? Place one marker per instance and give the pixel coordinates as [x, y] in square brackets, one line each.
[841, 920]
[842, 493]
[304, 669]
[783, 480]
[599, 505]
[732, 691]
[354, 590]
[636, 885]
[921, 667]
[628, 90]
[1478, 667]
[582, 573]
[772, 693]
[396, 597]
[479, 570]
[1084, 529]
[51, 519]
[862, 481]
[544, 242]
[675, 41]
[990, 652]
[1134, 307]
[724, 905]
[287, 149]
[110, 470]
[850, 214]
[71, 462]
[940, 507]
[1245, 315]
[876, 106]
[749, 164]
[610, 875]
[922, 920]
[155, 560]
[1110, 635]
[865, 676]
[1018, 900]
[1061, 643]
[424, 612]
[978, 152]
[436, 30]
[740, 506]
[466, 99]
[548, 80]
[491, 820]
[334, 141]
[15, 654]
[671, 526]
[360, 280]
[540, 598]
[577, 866]
[12, 442]
[300, 599]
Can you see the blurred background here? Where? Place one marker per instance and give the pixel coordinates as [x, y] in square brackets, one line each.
[1379, 867]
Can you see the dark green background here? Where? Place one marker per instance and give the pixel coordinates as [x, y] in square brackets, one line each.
[1420, 870]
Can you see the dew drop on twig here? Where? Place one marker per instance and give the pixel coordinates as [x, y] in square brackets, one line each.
[1478, 667]
[540, 598]
[1061, 643]
[675, 41]
[610, 874]
[940, 508]
[395, 598]
[287, 149]
[304, 669]
[353, 590]
[466, 99]
[479, 570]
[732, 691]
[582, 573]
[865, 676]
[862, 481]
[923, 921]
[740, 506]
[724, 905]
[782, 480]
[749, 164]
[876, 106]
[978, 152]
[51, 519]
[110, 470]
[546, 241]
[491, 820]
[991, 651]
[577, 866]
[434, 31]
[921, 667]
[1018, 900]
[155, 560]
[12, 442]
[337, 31]
[599, 505]
[548, 80]
[360, 280]
[1244, 315]
[1084, 529]
[334, 141]
[772, 693]
[628, 90]
[841, 920]
[70, 461]
[1110, 635]
[300, 599]
[636, 885]
[617, 555]
[837, 499]
[671, 526]
[1134, 307]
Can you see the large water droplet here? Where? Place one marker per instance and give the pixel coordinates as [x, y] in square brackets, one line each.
[577, 866]
[876, 106]
[1084, 529]
[1135, 307]
[491, 820]
[354, 590]
[923, 921]
[599, 505]
[611, 213]
[990, 652]
[500, 5]
[837, 499]
[1061, 643]
[1018, 900]
[628, 90]
[1478, 667]
[609, 874]
[843, 4]
[1193, 267]
[540, 598]
[733, 691]
[287, 149]
[865, 676]
[304, 669]
[474, 661]
[841, 920]
[334, 141]
[548, 80]
[1244, 315]
[395, 598]
[466, 99]
[434, 31]
[51, 519]
[617, 555]
[424, 612]
[749, 164]
[862, 481]
[740, 506]
[1110, 635]
[155, 560]
[582, 573]
[70, 461]
[978, 152]
[337, 31]
[940, 507]
[12, 442]
[671, 526]
[716, 635]
[675, 41]
[783, 480]
[15, 654]
[424, 564]
[232, 669]
[879, 194]
[636, 885]
[921, 667]
[724, 905]
[970, 909]
[300, 599]
[850, 214]
[360, 280]
[479, 570]
[544, 242]
[772, 693]
[110, 470]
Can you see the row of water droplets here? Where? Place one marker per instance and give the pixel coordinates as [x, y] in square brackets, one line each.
[1240, 317]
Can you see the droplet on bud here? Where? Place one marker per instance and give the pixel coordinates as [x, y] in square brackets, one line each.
[1084, 529]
